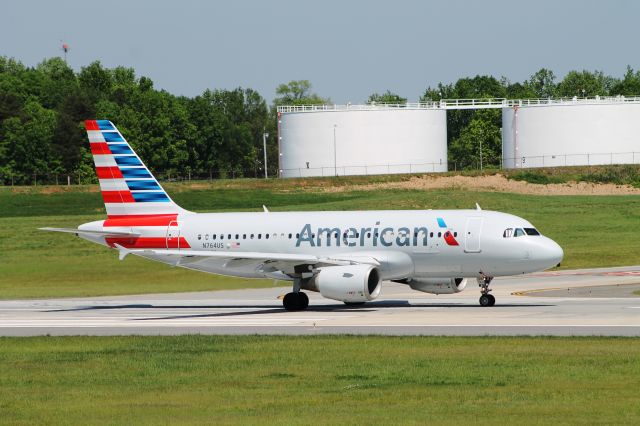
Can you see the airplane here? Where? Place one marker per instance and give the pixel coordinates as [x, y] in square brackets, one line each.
[343, 255]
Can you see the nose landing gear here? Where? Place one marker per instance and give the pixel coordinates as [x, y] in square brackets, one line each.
[486, 299]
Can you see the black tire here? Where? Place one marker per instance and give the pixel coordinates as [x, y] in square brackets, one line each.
[295, 301]
[492, 300]
[485, 300]
[304, 301]
[290, 302]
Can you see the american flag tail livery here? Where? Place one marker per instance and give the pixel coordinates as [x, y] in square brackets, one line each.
[128, 188]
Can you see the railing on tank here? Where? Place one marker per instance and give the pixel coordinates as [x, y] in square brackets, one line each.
[464, 104]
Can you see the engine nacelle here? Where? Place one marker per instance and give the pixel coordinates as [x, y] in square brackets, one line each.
[439, 285]
[352, 283]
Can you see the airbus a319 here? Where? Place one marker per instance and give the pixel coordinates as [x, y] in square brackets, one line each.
[343, 255]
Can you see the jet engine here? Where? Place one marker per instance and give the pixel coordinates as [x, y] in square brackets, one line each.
[351, 284]
[438, 285]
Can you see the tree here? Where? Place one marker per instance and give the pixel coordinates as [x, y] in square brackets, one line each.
[386, 98]
[585, 84]
[27, 142]
[298, 92]
[464, 150]
[542, 84]
[629, 85]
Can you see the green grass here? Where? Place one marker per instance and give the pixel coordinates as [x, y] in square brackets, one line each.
[284, 380]
[595, 231]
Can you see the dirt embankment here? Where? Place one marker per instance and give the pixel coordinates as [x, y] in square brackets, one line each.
[494, 183]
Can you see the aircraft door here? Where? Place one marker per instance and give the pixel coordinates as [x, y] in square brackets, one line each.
[173, 235]
[472, 235]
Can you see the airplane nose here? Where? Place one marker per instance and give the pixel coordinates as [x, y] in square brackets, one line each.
[551, 253]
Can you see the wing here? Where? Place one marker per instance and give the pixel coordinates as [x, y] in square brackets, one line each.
[285, 262]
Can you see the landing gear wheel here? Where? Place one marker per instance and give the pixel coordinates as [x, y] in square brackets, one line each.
[295, 301]
[485, 300]
[492, 300]
[304, 299]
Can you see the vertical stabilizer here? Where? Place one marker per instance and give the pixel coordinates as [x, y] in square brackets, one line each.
[128, 187]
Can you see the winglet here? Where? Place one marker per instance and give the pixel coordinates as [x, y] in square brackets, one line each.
[478, 207]
[266, 210]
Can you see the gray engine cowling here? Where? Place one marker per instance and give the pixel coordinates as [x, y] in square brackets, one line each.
[438, 285]
[352, 283]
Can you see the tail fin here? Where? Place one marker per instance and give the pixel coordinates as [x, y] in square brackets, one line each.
[128, 188]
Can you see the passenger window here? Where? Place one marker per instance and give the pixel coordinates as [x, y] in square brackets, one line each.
[368, 234]
[244, 236]
[229, 236]
[519, 232]
[206, 237]
[213, 236]
[237, 237]
[431, 234]
[439, 234]
[252, 236]
[289, 236]
[259, 236]
[298, 235]
[199, 236]
[455, 234]
[222, 236]
[266, 236]
[508, 233]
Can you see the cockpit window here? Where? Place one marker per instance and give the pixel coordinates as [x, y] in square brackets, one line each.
[508, 233]
[519, 232]
[531, 231]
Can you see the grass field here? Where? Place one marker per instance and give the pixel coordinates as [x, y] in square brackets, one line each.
[292, 380]
[593, 230]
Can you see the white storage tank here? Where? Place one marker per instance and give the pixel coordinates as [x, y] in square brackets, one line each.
[361, 140]
[571, 133]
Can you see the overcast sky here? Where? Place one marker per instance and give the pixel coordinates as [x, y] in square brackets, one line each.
[347, 49]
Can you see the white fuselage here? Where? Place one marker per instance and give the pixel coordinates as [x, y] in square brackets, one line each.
[407, 244]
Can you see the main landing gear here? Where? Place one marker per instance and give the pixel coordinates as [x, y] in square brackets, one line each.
[486, 299]
[296, 300]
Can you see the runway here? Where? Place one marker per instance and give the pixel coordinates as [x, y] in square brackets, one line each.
[563, 303]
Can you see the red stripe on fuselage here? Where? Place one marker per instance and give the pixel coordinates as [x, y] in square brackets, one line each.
[140, 220]
[91, 125]
[99, 148]
[108, 173]
[148, 242]
[117, 197]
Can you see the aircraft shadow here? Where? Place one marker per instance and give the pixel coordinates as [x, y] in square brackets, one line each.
[257, 309]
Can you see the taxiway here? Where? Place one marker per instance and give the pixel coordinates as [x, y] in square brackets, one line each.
[580, 302]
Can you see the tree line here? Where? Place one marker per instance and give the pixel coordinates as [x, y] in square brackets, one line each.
[218, 133]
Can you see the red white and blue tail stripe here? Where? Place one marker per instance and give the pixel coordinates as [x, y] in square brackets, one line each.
[128, 188]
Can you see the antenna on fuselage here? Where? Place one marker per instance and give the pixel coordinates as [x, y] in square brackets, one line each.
[478, 207]
[266, 210]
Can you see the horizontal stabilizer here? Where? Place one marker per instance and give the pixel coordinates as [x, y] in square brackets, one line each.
[88, 232]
